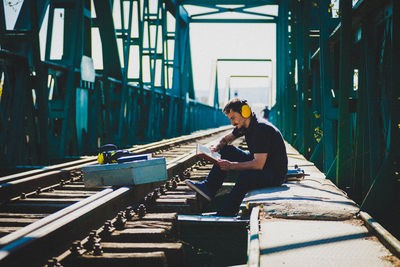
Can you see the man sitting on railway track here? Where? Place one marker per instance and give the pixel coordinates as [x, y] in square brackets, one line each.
[264, 166]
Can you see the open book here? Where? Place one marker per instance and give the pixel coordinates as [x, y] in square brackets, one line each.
[205, 153]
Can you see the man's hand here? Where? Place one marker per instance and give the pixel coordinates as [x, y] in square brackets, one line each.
[215, 148]
[223, 142]
[225, 165]
[255, 164]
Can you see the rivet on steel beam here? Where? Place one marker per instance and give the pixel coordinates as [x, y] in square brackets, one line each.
[168, 185]
[93, 238]
[156, 193]
[62, 182]
[149, 199]
[76, 248]
[129, 213]
[22, 196]
[120, 221]
[174, 185]
[108, 228]
[141, 210]
[162, 190]
[53, 262]
[186, 174]
[154, 196]
[98, 250]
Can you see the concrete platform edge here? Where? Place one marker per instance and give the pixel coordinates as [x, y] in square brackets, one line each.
[383, 235]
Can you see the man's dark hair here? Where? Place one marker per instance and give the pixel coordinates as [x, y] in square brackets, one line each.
[234, 104]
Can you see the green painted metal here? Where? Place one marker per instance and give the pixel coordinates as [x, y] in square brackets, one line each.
[325, 65]
[356, 146]
[352, 135]
[281, 81]
[250, 76]
[306, 87]
[345, 152]
[216, 88]
[230, 2]
[289, 122]
[115, 108]
[382, 197]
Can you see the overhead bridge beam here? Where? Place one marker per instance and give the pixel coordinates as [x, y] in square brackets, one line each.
[230, 2]
[232, 21]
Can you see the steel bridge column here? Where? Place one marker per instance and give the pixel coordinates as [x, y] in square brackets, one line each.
[383, 196]
[73, 38]
[2, 19]
[126, 134]
[104, 20]
[306, 85]
[182, 78]
[154, 20]
[344, 148]
[111, 70]
[282, 66]
[291, 89]
[41, 86]
[326, 86]
[360, 183]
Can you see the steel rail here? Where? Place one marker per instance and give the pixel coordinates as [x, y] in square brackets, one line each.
[70, 226]
[45, 233]
[12, 186]
[12, 237]
[90, 159]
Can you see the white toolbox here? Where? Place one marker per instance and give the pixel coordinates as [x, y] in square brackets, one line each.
[127, 173]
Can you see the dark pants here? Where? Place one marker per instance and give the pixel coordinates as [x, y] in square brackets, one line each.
[248, 180]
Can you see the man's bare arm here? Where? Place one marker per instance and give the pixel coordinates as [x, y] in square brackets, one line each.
[227, 139]
[256, 164]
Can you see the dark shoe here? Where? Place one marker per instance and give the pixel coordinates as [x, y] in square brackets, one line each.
[199, 188]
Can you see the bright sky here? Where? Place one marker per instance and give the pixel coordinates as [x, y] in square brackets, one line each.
[208, 43]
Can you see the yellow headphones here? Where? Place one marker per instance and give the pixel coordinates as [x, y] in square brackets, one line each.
[245, 111]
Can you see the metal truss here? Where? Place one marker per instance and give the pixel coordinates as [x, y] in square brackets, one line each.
[216, 88]
[52, 110]
[338, 96]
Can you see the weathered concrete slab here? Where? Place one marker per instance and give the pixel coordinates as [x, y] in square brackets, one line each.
[328, 234]
[311, 198]
[123, 259]
[319, 243]
[314, 197]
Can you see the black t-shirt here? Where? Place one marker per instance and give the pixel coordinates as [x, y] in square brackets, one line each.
[264, 137]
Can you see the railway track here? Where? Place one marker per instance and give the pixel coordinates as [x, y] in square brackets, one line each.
[44, 211]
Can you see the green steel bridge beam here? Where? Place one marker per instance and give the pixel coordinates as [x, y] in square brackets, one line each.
[325, 64]
[344, 150]
[358, 125]
[289, 95]
[382, 196]
[251, 76]
[279, 114]
[306, 86]
[230, 2]
[216, 88]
